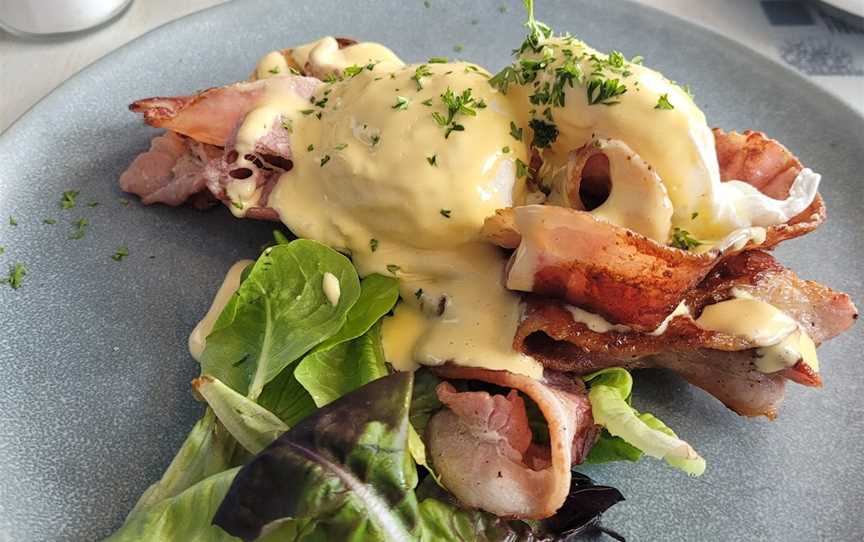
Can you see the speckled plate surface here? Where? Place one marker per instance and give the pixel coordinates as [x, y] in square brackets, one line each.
[94, 374]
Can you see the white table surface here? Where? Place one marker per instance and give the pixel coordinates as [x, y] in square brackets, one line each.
[30, 69]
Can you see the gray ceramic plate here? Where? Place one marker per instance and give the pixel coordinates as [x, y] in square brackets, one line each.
[94, 374]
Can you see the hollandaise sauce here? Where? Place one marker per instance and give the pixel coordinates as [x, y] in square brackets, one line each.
[399, 165]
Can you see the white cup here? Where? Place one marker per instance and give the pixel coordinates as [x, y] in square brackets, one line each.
[56, 17]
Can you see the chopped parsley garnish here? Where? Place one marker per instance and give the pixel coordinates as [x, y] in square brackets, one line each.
[663, 102]
[325, 159]
[274, 70]
[341, 146]
[445, 213]
[638, 59]
[419, 293]
[515, 131]
[604, 91]
[375, 139]
[307, 111]
[120, 253]
[438, 60]
[433, 160]
[401, 103]
[616, 60]
[544, 133]
[49, 221]
[427, 102]
[79, 228]
[505, 150]
[353, 71]
[373, 244]
[502, 79]
[537, 31]
[458, 48]
[457, 104]
[12, 221]
[238, 205]
[310, 148]
[288, 125]
[393, 268]
[521, 169]
[694, 215]
[421, 72]
[68, 200]
[683, 240]
[124, 201]
[16, 276]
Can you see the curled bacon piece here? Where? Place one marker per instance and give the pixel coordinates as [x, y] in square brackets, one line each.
[481, 444]
[211, 116]
[761, 161]
[722, 365]
[210, 120]
[611, 270]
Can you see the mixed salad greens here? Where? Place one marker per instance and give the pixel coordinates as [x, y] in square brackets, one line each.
[309, 435]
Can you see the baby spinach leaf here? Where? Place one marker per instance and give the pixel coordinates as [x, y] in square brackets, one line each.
[331, 373]
[353, 356]
[279, 313]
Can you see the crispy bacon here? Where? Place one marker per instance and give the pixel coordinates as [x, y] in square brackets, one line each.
[621, 275]
[567, 253]
[481, 444]
[722, 365]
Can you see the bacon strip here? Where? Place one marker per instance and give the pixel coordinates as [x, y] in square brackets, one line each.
[613, 271]
[722, 365]
[761, 161]
[621, 275]
[481, 445]
[212, 115]
[171, 171]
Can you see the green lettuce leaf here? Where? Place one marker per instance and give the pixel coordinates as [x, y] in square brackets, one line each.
[207, 450]
[329, 374]
[345, 467]
[354, 355]
[609, 448]
[278, 314]
[287, 399]
[252, 425]
[185, 516]
[609, 394]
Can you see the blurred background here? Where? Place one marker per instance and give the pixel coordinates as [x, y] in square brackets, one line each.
[44, 42]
